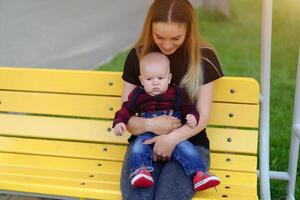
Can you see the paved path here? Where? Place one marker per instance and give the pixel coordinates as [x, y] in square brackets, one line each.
[15, 197]
[73, 34]
[67, 33]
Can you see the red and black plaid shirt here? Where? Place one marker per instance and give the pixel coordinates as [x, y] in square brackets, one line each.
[144, 103]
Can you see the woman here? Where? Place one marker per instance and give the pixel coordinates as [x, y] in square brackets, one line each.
[171, 28]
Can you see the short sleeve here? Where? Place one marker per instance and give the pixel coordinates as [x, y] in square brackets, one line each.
[210, 65]
[131, 69]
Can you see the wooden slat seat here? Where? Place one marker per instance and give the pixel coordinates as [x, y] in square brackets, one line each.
[56, 136]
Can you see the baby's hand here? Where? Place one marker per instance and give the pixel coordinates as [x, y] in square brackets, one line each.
[191, 120]
[119, 129]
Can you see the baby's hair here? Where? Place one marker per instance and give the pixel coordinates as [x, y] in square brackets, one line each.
[154, 57]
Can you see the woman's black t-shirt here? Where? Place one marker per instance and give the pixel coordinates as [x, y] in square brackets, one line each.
[178, 67]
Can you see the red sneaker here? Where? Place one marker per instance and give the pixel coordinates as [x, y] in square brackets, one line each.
[143, 179]
[204, 181]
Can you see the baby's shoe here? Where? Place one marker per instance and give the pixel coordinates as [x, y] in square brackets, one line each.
[204, 181]
[143, 179]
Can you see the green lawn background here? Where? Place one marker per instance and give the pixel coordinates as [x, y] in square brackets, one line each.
[237, 42]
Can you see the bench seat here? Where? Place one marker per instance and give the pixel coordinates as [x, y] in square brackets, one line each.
[56, 137]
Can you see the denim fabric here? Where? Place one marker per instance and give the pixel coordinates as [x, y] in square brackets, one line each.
[141, 154]
[184, 152]
[170, 180]
[159, 113]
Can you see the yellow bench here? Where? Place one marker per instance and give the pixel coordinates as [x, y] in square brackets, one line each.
[45, 150]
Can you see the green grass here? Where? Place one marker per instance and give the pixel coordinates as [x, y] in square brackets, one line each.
[116, 64]
[237, 41]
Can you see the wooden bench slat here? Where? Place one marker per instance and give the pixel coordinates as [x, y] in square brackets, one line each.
[57, 173]
[225, 114]
[102, 151]
[230, 179]
[237, 89]
[215, 196]
[108, 193]
[222, 139]
[233, 140]
[89, 184]
[231, 89]
[60, 163]
[238, 115]
[115, 153]
[61, 81]
[243, 179]
[59, 104]
[50, 187]
[20, 184]
[242, 163]
[58, 128]
[62, 148]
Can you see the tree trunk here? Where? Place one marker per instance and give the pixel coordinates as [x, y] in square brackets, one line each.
[221, 6]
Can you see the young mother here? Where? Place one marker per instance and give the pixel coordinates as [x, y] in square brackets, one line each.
[171, 28]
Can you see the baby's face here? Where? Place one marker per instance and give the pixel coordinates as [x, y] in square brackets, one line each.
[155, 78]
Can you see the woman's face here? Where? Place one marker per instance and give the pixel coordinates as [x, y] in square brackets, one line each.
[168, 36]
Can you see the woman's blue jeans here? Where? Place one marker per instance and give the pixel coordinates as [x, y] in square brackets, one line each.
[170, 179]
[184, 152]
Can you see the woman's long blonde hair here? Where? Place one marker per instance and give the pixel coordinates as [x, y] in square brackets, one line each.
[177, 11]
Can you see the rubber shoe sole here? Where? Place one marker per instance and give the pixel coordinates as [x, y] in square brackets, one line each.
[142, 181]
[207, 183]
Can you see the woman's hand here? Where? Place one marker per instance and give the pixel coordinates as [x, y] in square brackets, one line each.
[163, 124]
[163, 147]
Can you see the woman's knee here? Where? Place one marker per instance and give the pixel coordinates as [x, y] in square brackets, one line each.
[173, 178]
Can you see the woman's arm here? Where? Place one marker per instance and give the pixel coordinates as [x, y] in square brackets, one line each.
[127, 88]
[135, 125]
[138, 125]
[203, 106]
[165, 144]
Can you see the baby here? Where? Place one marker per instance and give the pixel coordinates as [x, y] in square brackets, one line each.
[159, 97]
